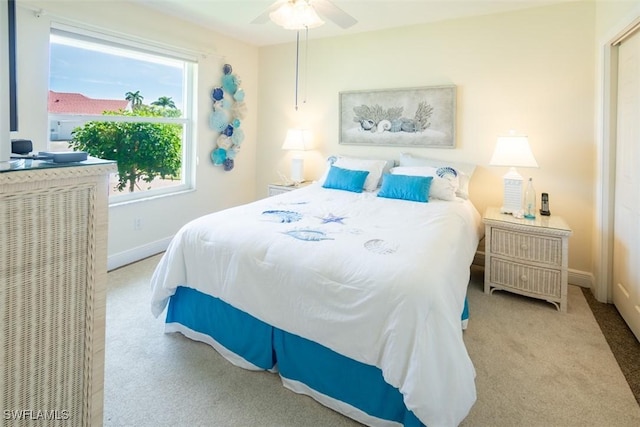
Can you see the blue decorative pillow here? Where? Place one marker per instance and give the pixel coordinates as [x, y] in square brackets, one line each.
[345, 179]
[405, 187]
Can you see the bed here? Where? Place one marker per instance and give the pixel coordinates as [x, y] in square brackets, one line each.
[353, 296]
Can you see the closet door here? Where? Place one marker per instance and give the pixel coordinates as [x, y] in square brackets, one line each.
[626, 250]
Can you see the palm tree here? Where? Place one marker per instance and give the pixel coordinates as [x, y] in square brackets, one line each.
[135, 98]
[164, 102]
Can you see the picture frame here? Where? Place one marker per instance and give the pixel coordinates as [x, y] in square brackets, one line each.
[408, 117]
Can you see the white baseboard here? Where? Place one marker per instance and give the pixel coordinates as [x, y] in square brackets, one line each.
[583, 279]
[136, 254]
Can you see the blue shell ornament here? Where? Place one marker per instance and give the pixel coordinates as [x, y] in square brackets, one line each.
[227, 69]
[218, 120]
[217, 94]
[218, 156]
[228, 131]
[237, 137]
[230, 83]
[228, 164]
[239, 95]
[226, 104]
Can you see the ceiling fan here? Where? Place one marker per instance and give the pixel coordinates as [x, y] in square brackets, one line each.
[323, 8]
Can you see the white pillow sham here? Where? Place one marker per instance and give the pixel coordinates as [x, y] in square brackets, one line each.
[445, 181]
[464, 170]
[373, 166]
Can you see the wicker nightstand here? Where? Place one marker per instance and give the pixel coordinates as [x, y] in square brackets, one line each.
[528, 257]
[275, 189]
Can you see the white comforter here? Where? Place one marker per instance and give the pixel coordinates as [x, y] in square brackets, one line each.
[378, 280]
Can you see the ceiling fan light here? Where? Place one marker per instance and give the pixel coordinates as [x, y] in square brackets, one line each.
[296, 15]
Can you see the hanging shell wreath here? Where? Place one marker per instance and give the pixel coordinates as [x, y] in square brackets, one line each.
[228, 112]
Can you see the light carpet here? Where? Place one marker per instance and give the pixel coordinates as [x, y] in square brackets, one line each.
[535, 367]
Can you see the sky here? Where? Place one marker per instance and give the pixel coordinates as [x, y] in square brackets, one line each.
[110, 75]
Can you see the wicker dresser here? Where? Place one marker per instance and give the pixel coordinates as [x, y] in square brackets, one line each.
[527, 256]
[53, 248]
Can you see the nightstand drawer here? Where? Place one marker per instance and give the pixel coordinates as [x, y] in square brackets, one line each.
[528, 247]
[530, 279]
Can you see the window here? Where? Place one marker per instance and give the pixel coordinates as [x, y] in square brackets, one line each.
[127, 101]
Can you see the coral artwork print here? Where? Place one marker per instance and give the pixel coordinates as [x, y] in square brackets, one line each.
[422, 117]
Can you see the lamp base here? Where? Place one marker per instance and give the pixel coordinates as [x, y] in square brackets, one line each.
[297, 170]
[512, 198]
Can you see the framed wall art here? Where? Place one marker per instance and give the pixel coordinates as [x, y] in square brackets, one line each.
[411, 117]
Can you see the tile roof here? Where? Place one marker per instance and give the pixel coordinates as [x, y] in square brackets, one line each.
[77, 103]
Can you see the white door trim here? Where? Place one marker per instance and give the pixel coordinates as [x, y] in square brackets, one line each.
[607, 72]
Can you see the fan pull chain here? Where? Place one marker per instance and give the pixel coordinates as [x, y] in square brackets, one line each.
[297, 62]
[306, 62]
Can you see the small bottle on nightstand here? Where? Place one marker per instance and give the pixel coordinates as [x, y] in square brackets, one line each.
[530, 201]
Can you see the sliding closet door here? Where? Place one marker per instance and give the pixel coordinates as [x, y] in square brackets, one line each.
[626, 263]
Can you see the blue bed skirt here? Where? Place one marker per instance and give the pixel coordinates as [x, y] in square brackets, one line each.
[340, 379]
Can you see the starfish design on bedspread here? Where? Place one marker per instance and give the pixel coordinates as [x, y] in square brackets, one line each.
[332, 218]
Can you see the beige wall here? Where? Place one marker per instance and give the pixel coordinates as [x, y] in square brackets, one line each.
[532, 71]
[612, 16]
[216, 189]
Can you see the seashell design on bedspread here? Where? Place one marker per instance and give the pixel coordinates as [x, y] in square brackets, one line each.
[380, 247]
[282, 216]
[308, 235]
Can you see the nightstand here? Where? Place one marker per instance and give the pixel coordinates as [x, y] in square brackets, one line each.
[275, 189]
[527, 256]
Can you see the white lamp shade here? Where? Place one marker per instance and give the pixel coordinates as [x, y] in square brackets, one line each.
[298, 139]
[513, 151]
[296, 15]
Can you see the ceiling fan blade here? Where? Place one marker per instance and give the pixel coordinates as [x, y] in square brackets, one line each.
[264, 16]
[333, 13]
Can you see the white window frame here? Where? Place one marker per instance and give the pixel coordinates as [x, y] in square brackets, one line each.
[120, 41]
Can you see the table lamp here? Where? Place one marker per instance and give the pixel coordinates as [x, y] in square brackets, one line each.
[297, 140]
[513, 151]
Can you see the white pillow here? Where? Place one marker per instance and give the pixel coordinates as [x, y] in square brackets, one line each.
[444, 184]
[375, 168]
[464, 170]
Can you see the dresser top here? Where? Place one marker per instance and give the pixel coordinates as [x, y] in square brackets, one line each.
[493, 216]
[45, 171]
[27, 164]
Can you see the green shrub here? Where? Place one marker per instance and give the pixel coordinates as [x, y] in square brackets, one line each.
[143, 151]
